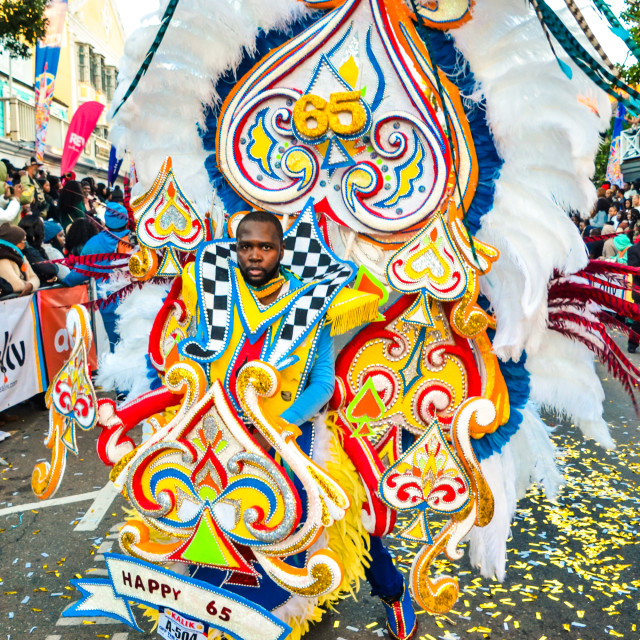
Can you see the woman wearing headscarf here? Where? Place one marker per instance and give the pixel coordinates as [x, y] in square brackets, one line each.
[54, 241]
[14, 267]
[622, 242]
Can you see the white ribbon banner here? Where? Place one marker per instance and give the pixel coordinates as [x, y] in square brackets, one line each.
[140, 581]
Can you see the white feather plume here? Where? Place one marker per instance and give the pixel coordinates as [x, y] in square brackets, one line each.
[126, 368]
[547, 138]
[204, 39]
[564, 380]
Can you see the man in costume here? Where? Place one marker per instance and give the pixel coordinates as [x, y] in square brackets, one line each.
[260, 249]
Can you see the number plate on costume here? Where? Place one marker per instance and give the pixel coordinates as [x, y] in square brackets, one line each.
[173, 626]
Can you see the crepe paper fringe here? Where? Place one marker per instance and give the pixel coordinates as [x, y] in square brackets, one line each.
[617, 28]
[351, 312]
[164, 25]
[584, 27]
[591, 239]
[347, 537]
[601, 76]
[70, 261]
[583, 311]
[122, 293]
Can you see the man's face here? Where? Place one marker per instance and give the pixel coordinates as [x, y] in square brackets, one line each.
[635, 201]
[86, 189]
[259, 252]
[613, 212]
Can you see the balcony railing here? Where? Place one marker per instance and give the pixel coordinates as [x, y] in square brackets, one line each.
[630, 154]
[630, 144]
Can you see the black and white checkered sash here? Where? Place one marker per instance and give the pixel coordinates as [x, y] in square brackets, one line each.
[306, 255]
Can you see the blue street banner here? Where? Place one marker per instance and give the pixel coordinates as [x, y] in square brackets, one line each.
[114, 166]
[47, 57]
[614, 167]
[134, 580]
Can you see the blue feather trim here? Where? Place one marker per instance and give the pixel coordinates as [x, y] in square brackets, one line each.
[456, 68]
[517, 379]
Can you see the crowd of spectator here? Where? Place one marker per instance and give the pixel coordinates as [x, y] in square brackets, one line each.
[612, 233]
[45, 218]
[613, 225]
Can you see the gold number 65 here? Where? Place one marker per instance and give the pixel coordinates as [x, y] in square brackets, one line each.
[326, 114]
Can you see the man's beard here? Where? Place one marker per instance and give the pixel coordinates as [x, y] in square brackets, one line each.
[266, 277]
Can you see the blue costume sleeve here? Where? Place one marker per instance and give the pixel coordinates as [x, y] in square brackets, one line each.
[74, 278]
[320, 383]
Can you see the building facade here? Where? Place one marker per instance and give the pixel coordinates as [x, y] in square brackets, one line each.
[92, 45]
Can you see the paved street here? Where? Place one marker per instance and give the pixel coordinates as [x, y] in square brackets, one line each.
[573, 566]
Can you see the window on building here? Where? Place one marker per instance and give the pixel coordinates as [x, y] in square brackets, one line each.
[84, 63]
[96, 71]
[110, 87]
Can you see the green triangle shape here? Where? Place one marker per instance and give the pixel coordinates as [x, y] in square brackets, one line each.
[204, 546]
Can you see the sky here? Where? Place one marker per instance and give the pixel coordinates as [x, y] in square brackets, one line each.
[132, 13]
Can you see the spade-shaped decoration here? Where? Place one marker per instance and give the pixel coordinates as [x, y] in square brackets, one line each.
[167, 220]
[366, 407]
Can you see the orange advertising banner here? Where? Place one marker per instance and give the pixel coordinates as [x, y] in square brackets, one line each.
[53, 305]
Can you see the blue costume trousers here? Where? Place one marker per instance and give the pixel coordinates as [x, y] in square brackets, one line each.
[383, 576]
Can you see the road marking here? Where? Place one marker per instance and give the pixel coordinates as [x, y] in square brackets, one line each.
[102, 502]
[53, 637]
[53, 502]
[105, 547]
[120, 636]
[74, 622]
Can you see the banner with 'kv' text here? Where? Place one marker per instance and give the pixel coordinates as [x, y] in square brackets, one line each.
[21, 365]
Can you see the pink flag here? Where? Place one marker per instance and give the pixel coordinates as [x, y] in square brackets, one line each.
[82, 125]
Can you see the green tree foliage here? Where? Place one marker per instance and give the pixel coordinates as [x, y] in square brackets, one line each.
[22, 24]
[631, 16]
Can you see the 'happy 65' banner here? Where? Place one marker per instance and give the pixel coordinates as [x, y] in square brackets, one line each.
[135, 580]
